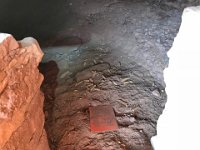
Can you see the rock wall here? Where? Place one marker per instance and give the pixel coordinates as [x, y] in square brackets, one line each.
[21, 101]
[178, 126]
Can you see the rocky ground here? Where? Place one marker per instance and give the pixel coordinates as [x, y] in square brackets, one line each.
[108, 52]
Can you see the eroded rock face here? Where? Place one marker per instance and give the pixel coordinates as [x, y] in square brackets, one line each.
[21, 101]
[178, 126]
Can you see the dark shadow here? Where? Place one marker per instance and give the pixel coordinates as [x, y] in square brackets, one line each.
[51, 22]
[40, 19]
[50, 71]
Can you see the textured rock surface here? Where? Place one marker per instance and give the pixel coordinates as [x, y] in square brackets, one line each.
[178, 127]
[21, 102]
[118, 60]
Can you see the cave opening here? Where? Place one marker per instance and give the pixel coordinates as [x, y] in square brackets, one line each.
[97, 53]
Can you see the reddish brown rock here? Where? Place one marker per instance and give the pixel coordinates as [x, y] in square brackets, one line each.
[21, 101]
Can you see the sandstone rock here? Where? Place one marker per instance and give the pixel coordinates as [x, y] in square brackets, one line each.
[21, 102]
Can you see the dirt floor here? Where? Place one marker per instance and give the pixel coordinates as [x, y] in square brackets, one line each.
[109, 52]
[103, 52]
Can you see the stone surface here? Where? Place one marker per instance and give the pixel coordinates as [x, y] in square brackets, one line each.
[21, 101]
[119, 61]
[127, 88]
[178, 127]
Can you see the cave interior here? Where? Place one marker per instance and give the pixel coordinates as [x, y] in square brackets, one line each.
[99, 53]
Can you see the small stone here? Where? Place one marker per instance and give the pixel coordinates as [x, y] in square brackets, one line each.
[114, 83]
[84, 75]
[156, 93]
[63, 75]
[91, 80]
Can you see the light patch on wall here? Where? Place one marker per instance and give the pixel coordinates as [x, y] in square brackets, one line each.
[3, 36]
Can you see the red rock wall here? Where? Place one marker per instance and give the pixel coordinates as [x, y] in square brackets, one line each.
[21, 101]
